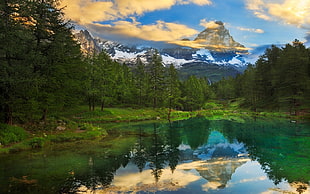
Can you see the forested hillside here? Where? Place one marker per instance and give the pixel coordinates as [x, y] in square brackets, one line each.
[279, 81]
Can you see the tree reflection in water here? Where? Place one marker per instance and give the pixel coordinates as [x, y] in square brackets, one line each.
[175, 156]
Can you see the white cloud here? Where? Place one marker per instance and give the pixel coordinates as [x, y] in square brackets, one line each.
[256, 30]
[294, 12]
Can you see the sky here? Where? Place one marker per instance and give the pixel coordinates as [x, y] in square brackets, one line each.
[252, 23]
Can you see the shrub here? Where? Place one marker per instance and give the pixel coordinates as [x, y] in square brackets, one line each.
[11, 134]
[37, 142]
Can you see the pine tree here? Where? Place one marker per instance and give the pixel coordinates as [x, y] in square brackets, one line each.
[291, 76]
[193, 93]
[17, 81]
[157, 82]
[41, 61]
[264, 68]
[141, 82]
[173, 89]
[58, 60]
[249, 88]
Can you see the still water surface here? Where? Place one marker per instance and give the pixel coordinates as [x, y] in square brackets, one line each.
[190, 156]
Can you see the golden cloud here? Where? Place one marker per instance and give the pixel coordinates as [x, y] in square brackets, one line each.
[160, 31]
[200, 2]
[201, 44]
[288, 11]
[88, 11]
[85, 11]
[143, 181]
[209, 24]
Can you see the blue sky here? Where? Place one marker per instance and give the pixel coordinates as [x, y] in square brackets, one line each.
[250, 22]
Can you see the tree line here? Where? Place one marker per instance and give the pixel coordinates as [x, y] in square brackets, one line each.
[145, 85]
[278, 81]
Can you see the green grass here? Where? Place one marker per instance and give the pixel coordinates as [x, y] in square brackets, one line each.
[41, 138]
[11, 134]
[119, 115]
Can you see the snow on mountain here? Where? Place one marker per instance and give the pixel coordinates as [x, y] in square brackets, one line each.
[126, 55]
[203, 54]
[167, 59]
[220, 48]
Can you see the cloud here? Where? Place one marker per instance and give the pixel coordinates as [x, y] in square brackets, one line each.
[89, 11]
[85, 11]
[200, 2]
[209, 24]
[142, 182]
[288, 11]
[91, 14]
[159, 31]
[307, 37]
[256, 30]
[258, 8]
[199, 44]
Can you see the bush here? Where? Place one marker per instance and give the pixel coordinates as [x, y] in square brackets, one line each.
[37, 142]
[11, 134]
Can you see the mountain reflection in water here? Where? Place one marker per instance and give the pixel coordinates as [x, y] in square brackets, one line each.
[211, 167]
[190, 156]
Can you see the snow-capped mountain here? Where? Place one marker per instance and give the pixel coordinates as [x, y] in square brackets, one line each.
[217, 48]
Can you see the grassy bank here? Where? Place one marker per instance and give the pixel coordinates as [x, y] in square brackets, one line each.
[34, 139]
[80, 124]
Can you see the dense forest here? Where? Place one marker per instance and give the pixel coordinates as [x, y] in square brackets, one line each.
[43, 71]
[278, 81]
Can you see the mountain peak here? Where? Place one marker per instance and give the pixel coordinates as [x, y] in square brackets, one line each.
[218, 38]
[219, 23]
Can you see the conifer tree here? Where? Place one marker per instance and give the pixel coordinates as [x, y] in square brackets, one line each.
[141, 82]
[157, 82]
[41, 61]
[173, 89]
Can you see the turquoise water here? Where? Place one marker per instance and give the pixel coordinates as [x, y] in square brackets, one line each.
[190, 156]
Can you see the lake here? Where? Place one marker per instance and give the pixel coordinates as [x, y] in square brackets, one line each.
[190, 156]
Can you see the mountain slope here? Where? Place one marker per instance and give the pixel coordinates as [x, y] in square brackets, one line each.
[219, 56]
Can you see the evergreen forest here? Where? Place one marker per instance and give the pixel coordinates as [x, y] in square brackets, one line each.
[42, 71]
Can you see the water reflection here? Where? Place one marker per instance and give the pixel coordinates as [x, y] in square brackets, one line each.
[192, 156]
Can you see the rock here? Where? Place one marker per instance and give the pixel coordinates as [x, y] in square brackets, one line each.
[60, 128]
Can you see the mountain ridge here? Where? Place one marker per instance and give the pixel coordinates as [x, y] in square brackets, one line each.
[219, 50]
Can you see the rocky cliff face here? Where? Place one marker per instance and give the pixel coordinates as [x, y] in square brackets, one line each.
[89, 45]
[219, 39]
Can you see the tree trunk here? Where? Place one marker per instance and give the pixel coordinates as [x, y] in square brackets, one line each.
[169, 112]
[8, 115]
[93, 102]
[44, 115]
[102, 105]
[89, 103]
